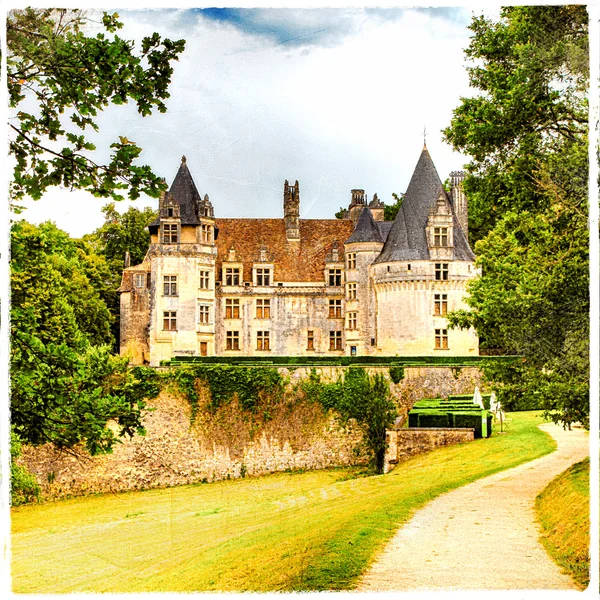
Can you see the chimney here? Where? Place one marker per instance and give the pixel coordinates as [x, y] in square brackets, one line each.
[127, 259]
[291, 210]
[459, 201]
[359, 200]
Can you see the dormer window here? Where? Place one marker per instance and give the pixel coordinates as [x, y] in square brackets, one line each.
[335, 277]
[169, 212]
[440, 236]
[263, 277]
[206, 233]
[170, 234]
[232, 276]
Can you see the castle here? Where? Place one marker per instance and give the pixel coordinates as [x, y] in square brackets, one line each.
[291, 286]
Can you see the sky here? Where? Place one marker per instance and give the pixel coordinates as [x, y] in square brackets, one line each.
[335, 98]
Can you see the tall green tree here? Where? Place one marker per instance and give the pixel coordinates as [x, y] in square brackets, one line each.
[59, 79]
[526, 131]
[66, 387]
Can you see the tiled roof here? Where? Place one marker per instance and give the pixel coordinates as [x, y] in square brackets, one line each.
[407, 239]
[366, 229]
[294, 261]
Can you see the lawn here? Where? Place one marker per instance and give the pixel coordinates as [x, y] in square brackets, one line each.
[563, 510]
[306, 531]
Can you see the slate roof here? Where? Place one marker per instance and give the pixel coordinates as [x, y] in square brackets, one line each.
[184, 192]
[407, 239]
[366, 229]
[293, 261]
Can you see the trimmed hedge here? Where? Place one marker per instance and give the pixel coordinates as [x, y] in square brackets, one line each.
[336, 360]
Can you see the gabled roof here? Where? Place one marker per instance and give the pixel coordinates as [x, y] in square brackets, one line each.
[184, 192]
[407, 239]
[366, 229]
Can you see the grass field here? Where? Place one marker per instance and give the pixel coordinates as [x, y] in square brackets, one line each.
[308, 531]
[563, 510]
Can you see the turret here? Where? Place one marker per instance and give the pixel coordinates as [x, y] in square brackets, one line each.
[291, 210]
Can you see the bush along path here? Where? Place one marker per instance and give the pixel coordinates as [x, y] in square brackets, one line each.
[483, 535]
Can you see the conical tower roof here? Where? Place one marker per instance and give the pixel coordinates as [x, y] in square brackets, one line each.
[366, 229]
[184, 192]
[407, 239]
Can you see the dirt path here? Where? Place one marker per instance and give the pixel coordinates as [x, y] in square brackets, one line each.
[480, 536]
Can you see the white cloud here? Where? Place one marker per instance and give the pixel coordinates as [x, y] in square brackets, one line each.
[249, 112]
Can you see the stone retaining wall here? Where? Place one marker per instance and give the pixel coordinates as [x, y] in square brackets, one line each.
[230, 443]
[404, 443]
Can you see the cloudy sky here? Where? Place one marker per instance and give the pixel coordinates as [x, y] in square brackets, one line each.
[336, 98]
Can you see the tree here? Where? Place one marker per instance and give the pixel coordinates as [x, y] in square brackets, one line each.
[391, 210]
[66, 387]
[527, 184]
[58, 79]
[364, 399]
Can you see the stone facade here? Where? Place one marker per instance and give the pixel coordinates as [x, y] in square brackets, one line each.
[291, 286]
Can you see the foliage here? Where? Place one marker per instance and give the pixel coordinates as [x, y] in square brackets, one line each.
[364, 399]
[321, 528]
[66, 387]
[396, 374]
[563, 510]
[59, 78]
[223, 382]
[527, 188]
[342, 213]
[391, 210]
[24, 487]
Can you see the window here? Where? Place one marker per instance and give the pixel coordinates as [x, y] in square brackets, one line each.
[310, 340]
[335, 309]
[408, 267]
[352, 260]
[335, 277]
[352, 320]
[440, 304]
[169, 233]
[204, 279]
[169, 212]
[170, 285]
[351, 291]
[441, 271]
[232, 340]
[232, 309]
[263, 276]
[263, 309]
[262, 340]
[440, 236]
[441, 339]
[232, 277]
[206, 232]
[139, 280]
[335, 340]
[170, 320]
[203, 314]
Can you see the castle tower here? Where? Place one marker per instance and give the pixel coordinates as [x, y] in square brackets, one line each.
[291, 210]
[361, 248]
[459, 200]
[422, 272]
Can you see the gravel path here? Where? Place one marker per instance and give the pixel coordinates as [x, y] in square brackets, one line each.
[482, 535]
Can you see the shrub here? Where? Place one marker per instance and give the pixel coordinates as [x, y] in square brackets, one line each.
[396, 374]
[24, 487]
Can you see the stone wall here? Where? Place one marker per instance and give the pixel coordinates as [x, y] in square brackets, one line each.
[404, 443]
[231, 442]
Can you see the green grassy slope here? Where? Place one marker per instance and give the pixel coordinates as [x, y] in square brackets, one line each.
[563, 510]
[310, 531]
